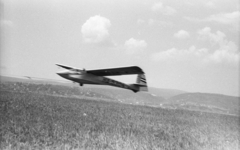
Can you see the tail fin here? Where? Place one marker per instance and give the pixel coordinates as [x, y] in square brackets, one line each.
[141, 83]
[141, 79]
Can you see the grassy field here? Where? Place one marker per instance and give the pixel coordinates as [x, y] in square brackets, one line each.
[38, 121]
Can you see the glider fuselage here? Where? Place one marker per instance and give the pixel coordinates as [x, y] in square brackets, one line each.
[82, 77]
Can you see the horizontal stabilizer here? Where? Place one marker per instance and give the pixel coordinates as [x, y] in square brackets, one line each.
[138, 87]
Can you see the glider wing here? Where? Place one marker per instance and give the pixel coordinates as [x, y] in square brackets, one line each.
[117, 71]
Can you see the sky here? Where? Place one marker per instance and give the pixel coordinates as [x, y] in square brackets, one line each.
[185, 45]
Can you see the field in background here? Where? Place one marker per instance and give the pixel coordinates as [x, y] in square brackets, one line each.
[59, 120]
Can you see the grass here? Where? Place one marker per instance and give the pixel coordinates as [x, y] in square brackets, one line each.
[38, 121]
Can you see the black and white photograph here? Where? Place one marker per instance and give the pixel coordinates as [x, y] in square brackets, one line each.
[119, 74]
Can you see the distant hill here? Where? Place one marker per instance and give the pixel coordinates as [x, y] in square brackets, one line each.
[53, 87]
[165, 93]
[166, 98]
[156, 92]
[127, 96]
[217, 103]
[32, 80]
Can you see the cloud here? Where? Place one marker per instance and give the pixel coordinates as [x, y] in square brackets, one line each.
[95, 29]
[224, 51]
[232, 19]
[155, 22]
[227, 53]
[182, 34]
[133, 46]
[179, 54]
[225, 18]
[166, 10]
[206, 34]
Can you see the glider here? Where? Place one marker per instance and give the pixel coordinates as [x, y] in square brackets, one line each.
[98, 77]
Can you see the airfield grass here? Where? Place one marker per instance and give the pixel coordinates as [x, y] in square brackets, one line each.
[38, 121]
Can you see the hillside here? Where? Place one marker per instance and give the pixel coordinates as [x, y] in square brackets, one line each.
[31, 120]
[156, 92]
[91, 92]
[165, 98]
[165, 93]
[217, 103]
[26, 79]
[115, 94]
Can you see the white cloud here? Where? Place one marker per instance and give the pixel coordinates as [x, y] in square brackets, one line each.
[227, 53]
[166, 10]
[224, 51]
[164, 55]
[221, 56]
[225, 18]
[154, 22]
[133, 45]
[182, 34]
[232, 19]
[95, 29]
[206, 34]
[179, 55]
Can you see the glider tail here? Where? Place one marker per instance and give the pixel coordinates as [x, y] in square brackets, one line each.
[141, 84]
[141, 80]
